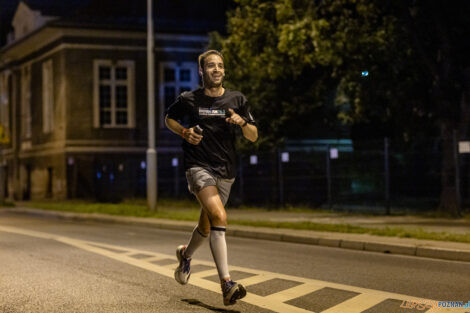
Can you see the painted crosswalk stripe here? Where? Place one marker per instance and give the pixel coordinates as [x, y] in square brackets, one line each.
[205, 273]
[294, 292]
[255, 279]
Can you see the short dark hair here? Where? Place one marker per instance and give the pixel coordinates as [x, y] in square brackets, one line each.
[203, 56]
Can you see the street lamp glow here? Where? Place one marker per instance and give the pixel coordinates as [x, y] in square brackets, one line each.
[365, 73]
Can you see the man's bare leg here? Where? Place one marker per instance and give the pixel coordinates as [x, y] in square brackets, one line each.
[211, 203]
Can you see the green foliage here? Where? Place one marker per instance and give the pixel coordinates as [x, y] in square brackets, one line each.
[300, 61]
[296, 59]
[7, 204]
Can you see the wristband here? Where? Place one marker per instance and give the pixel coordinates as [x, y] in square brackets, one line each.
[184, 132]
[244, 124]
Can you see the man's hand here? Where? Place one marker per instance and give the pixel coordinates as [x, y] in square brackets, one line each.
[235, 118]
[191, 136]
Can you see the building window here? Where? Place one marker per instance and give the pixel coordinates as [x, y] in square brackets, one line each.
[114, 101]
[26, 102]
[47, 97]
[185, 75]
[175, 78]
[169, 75]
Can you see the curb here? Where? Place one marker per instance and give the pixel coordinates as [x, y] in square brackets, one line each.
[281, 235]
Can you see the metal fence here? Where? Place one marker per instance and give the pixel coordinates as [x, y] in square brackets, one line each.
[374, 179]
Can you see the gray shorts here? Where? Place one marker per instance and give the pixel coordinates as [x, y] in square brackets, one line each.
[199, 178]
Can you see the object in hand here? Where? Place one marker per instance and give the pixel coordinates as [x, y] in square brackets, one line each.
[198, 129]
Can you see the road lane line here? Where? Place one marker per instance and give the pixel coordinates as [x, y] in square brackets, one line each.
[294, 292]
[205, 273]
[26, 232]
[273, 302]
[129, 253]
[255, 279]
[172, 266]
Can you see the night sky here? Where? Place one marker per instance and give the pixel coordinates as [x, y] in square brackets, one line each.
[201, 15]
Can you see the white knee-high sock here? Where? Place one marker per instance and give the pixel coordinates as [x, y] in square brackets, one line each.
[219, 250]
[197, 238]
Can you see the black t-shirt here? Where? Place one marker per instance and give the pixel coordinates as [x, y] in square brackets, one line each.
[216, 151]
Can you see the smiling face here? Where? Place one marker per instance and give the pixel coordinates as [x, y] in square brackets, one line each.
[213, 72]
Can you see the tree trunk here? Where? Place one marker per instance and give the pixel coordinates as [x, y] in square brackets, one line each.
[449, 203]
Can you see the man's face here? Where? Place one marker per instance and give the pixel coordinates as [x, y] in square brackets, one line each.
[213, 71]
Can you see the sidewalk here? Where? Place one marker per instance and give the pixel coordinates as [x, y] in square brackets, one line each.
[394, 245]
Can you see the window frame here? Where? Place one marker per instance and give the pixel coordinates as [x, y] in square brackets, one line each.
[113, 83]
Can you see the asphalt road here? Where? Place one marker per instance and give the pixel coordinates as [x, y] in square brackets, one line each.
[50, 265]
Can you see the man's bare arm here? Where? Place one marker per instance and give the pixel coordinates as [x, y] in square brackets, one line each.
[188, 134]
[250, 132]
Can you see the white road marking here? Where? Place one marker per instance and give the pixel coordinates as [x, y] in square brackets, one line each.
[294, 292]
[205, 273]
[170, 266]
[130, 253]
[274, 302]
[255, 279]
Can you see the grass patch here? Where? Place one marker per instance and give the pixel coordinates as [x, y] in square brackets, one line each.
[136, 208]
[7, 204]
[188, 210]
[287, 208]
[347, 228]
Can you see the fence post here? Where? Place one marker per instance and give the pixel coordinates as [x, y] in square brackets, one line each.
[280, 178]
[240, 180]
[457, 171]
[328, 176]
[387, 175]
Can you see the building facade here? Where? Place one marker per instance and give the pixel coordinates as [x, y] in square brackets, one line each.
[73, 100]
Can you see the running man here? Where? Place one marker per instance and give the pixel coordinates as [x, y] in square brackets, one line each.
[213, 115]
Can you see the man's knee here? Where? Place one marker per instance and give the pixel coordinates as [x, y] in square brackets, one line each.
[218, 218]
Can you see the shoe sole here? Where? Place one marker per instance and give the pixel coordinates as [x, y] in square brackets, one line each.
[178, 269]
[237, 294]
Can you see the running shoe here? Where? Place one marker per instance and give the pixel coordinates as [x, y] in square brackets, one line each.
[232, 291]
[183, 271]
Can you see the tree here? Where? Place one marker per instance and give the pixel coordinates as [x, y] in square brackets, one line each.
[290, 56]
[300, 61]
